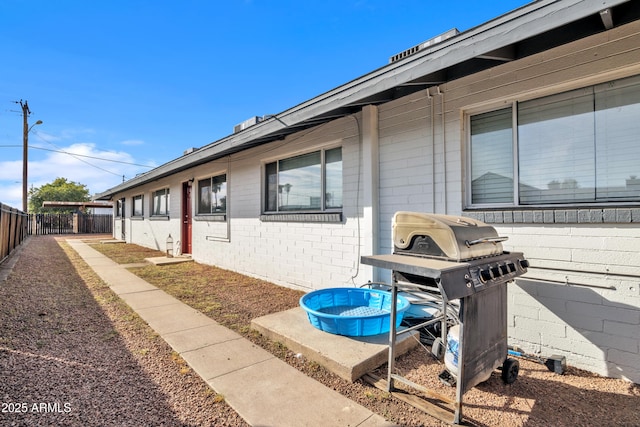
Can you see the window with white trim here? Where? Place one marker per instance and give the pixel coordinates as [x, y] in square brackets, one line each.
[577, 147]
[138, 206]
[310, 182]
[160, 202]
[212, 195]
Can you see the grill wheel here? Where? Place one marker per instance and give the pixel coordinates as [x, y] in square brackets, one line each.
[510, 369]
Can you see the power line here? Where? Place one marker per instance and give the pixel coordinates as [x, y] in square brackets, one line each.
[77, 157]
[92, 165]
[80, 155]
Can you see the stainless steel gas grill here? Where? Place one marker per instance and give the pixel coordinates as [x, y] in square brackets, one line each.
[460, 261]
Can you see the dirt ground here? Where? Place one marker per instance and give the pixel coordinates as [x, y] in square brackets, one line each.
[71, 341]
[73, 354]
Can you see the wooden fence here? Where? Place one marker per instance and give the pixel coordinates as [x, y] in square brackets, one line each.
[75, 223]
[13, 229]
[95, 223]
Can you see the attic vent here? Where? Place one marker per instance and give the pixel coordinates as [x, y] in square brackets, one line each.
[435, 40]
[249, 122]
[189, 150]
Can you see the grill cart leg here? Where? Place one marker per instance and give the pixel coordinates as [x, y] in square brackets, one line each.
[392, 334]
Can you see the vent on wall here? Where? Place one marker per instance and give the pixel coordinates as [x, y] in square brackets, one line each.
[249, 122]
[435, 40]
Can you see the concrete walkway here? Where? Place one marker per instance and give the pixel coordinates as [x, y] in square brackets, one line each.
[261, 388]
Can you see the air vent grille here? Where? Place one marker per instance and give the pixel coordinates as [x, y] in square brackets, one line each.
[435, 40]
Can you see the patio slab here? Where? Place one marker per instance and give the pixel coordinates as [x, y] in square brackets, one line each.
[348, 357]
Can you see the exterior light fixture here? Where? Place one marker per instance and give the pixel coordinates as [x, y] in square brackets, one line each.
[169, 246]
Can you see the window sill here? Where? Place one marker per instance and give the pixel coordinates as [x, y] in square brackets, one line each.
[333, 217]
[211, 217]
[137, 218]
[608, 215]
[159, 218]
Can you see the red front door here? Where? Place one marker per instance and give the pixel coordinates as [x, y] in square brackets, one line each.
[186, 218]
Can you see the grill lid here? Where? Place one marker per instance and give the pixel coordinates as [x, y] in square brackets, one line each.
[444, 236]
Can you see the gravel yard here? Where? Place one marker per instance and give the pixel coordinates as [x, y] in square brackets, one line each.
[69, 343]
[72, 354]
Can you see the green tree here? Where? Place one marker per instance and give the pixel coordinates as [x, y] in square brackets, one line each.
[60, 190]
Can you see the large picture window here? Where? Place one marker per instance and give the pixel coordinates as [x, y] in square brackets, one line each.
[308, 182]
[161, 202]
[212, 195]
[576, 147]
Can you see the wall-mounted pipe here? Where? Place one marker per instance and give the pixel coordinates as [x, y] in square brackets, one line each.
[444, 150]
[433, 150]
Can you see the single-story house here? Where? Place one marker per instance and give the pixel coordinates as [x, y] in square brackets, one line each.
[529, 122]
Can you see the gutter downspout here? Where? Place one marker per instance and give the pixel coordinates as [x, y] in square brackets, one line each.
[433, 151]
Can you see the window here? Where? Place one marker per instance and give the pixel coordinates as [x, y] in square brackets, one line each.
[161, 202]
[491, 174]
[576, 147]
[308, 182]
[212, 195]
[138, 206]
[120, 208]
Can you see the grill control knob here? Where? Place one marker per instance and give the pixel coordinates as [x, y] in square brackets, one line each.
[524, 263]
[504, 269]
[485, 276]
[512, 267]
[495, 272]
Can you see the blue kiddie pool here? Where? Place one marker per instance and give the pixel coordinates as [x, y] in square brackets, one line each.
[352, 312]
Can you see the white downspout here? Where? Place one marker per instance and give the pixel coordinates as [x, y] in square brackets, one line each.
[433, 151]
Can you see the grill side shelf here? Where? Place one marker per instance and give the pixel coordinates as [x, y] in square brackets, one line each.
[412, 265]
[450, 275]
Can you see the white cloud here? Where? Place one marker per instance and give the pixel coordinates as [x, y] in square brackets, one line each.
[83, 163]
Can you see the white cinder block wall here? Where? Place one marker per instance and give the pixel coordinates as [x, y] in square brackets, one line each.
[304, 255]
[587, 307]
[581, 299]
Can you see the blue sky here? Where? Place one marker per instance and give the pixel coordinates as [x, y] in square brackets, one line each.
[138, 82]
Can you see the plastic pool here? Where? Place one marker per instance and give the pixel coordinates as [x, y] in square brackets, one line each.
[352, 312]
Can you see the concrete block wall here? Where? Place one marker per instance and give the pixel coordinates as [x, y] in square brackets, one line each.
[148, 231]
[581, 296]
[294, 253]
[406, 161]
[581, 299]
[298, 255]
[593, 330]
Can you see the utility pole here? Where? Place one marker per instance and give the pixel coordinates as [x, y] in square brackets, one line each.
[25, 149]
